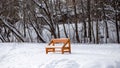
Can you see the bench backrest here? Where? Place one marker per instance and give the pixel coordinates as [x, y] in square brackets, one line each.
[60, 40]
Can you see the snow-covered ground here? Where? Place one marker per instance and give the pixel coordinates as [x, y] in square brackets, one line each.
[32, 55]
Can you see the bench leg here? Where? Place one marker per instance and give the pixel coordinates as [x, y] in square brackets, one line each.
[70, 51]
[62, 51]
[46, 51]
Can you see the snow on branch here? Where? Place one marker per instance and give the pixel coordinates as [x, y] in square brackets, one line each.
[1, 37]
[12, 28]
[37, 31]
[41, 16]
[40, 5]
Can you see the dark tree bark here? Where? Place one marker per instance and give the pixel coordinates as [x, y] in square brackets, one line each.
[84, 22]
[76, 19]
[89, 19]
[116, 19]
[105, 21]
[12, 28]
[97, 30]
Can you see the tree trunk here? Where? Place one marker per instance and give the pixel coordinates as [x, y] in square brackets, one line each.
[89, 20]
[116, 22]
[92, 32]
[84, 23]
[106, 25]
[76, 26]
[65, 30]
[97, 30]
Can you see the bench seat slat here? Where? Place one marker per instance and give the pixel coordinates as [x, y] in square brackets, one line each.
[53, 46]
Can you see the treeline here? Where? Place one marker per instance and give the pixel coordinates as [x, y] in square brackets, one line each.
[18, 18]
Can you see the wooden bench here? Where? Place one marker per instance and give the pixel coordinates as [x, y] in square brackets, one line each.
[64, 48]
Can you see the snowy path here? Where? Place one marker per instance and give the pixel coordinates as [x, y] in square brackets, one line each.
[32, 55]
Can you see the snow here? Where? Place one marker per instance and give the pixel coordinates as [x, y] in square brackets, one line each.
[32, 55]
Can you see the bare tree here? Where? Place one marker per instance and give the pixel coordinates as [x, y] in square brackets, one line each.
[76, 20]
[116, 6]
[9, 16]
[89, 19]
[105, 21]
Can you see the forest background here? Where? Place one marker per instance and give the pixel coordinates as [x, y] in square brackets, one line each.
[83, 21]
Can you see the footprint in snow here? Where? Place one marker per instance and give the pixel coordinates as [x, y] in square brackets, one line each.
[62, 63]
